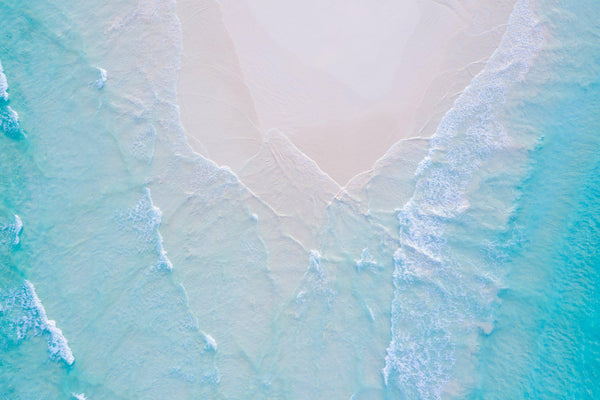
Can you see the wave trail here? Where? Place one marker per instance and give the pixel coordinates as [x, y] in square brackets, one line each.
[145, 219]
[9, 234]
[102, 78]
[9, 119]
[9, 122]
[3, 84]
[58, 345]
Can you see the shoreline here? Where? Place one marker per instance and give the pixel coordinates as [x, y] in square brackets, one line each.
[228, 101]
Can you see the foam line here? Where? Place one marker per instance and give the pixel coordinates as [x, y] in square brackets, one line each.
[3, 84]
[58, 346]
[429, 305]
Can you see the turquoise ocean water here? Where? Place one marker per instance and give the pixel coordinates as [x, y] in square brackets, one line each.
[467, 267]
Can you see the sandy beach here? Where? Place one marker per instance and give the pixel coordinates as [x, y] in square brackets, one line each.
[340, 83]
[343, 82]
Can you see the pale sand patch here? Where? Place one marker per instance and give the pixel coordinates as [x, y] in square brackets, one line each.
[343, 80]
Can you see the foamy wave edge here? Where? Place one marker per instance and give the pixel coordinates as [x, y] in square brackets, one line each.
[58, 346]
[145, 220]
[9, 119]
[440, 195]
[3, 84]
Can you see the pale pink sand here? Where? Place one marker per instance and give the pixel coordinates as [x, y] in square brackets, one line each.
[342, 79]
[298, 97]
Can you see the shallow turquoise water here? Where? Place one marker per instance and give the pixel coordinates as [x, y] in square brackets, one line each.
[474, 273]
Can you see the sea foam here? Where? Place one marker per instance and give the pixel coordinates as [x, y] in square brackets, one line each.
[9, 122]
[3, 84]
[431, 308]
[17, 227]
[9, 119]
[143, 145]
[145, 219]
[35, 318]
[211, 343]
[103, 76]
[315, 285]
[9, 234]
